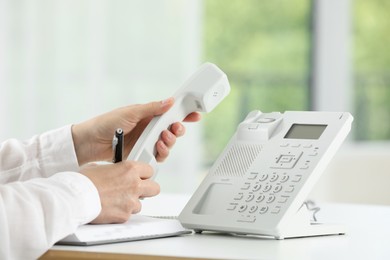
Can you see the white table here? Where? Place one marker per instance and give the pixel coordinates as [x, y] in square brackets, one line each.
[367, 237]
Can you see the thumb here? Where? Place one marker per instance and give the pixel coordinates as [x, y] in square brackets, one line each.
[153, 108]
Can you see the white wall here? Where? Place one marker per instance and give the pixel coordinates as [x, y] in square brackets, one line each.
[64, 61]
[359, 173]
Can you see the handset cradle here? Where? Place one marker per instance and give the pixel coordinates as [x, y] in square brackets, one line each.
[202, 92]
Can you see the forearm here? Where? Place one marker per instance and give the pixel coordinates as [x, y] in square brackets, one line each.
[37, 213]
[40, 156]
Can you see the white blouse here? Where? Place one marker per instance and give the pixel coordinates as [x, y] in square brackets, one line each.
[42, 197]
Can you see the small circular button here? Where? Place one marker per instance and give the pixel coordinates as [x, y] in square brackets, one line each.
[265, 120]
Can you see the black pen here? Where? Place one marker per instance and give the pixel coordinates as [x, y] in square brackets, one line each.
[117, 146]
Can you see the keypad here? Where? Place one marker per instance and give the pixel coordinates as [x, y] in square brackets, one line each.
[263, 193]
[270, 191]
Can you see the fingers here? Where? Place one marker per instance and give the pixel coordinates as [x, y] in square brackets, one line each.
[143, 170]
[152, 109]
[162, 151]
[168, 140]
[144, 186]
[150, 188]
[193, 117]
[120, 187]
[177, 129]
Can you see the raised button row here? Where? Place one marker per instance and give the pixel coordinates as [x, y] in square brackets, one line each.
[296, 145]
[259, 198]
[257, 187]
[264, 188]
[265, 176]
[258, 209]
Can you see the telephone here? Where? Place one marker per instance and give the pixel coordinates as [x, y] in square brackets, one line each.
[258, 184]
[202, 92]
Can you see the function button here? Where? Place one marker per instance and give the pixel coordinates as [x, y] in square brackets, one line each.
[263, 209]
[252, 175]
[242, 208]
[277, 188]
[232, 206]
[274, 177]
[256, 187]
[267, 188]
[296, 145]
[287, 161]
[260, 198]
[284, 178]
[246, 186]
[284, 145]
[305, 165]
[253, 209]
[271, 198]
[265, 120]
[297, 178]
[239, 196]
[252, 126]
[290, 189]
[314, 152]
[276, 210]
[246, 218]
[307, 146]
[283, 199]
[250, 197]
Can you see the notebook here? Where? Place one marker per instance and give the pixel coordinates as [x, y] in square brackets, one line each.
[139, 227]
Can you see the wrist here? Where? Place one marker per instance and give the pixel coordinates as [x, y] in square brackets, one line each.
[81, 144]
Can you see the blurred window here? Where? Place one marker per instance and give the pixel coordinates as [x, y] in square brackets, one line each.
[264, 47]
[371, 27]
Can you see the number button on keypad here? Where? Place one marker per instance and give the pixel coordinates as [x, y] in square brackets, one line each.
[263, 209]
[239, 196]
[260, 198]
[263, 177]
[284, 178]
[267, 188]
[253, 209]
[250, 198]
[271, 198]
[256, 187]
[242, 208]
[277, 188]
[274, 177]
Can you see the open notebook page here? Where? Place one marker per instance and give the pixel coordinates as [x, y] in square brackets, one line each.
[138, 227]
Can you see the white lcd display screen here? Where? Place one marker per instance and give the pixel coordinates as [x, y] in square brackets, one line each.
[305, 131]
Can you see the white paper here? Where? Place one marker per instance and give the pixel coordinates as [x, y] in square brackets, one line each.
[136, 228]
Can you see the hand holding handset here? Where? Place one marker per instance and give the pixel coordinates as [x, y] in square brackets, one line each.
[202, 92]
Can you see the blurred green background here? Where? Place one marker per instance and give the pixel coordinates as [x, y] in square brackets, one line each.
[265, 47]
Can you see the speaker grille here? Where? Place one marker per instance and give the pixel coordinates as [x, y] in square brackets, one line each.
[238, 160]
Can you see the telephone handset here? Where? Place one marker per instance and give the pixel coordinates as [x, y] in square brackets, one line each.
[259, 183]
[202, 92]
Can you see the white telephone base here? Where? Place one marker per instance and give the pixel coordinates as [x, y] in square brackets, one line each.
[259, 183]
[313, 229]
[301, 226]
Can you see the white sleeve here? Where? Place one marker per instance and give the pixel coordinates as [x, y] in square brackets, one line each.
[42, 197]
[41, 156]
[37, 213]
